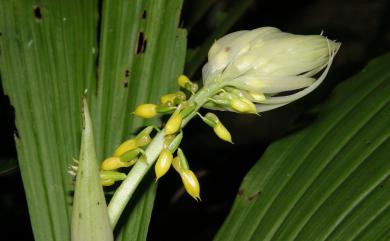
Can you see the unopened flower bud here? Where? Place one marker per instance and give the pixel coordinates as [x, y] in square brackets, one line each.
[125, 147]
[113, 163]
[146, 111]
[191, 183]
[221, 131]
[187, 84]
[108, 178]
[267, 61]
[132, 155]
[173, 98]
[176, 163]
[142, 139]
[183, 160]
[243, 105]
[164, 109]
[163, 163]
[173, 124]
[186, 110]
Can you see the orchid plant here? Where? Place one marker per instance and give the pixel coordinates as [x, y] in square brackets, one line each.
[248, 72]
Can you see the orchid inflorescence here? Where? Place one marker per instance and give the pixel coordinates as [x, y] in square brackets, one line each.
[130, 151]
[247, 72]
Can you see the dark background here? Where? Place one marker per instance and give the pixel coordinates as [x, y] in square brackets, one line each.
[363, 28]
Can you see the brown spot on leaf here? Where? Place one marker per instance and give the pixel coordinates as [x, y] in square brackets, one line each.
[38, 12]
[253, 196]
[240, 192]
[143, 15]
[141, 45]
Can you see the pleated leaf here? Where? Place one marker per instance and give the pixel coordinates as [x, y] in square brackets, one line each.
[46, 63]
[329, 181]
[122, 52]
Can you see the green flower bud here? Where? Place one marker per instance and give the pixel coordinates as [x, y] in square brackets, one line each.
[186, 83]
[173, 124]
[266, 61]
[163, 163]
[142, 139]
[113, 163]
[146, 110]
[108, 178]
[183, 160]
[219, 129]
[173, 98]
[191, 183]
[243, 105]
[163, 109]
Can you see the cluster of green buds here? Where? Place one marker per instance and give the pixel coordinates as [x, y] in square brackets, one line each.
[247, 72]
[125, 155]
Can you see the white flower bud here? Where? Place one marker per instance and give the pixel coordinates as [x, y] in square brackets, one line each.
[267, 61]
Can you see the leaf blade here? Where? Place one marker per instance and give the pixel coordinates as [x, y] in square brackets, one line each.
[339, 159]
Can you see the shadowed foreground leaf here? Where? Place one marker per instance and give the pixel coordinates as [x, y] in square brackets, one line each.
[329, 181]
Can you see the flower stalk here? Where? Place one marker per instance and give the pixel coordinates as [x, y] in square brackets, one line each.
[127, 188]
[247, 72]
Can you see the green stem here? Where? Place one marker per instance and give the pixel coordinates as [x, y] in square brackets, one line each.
[125, 191]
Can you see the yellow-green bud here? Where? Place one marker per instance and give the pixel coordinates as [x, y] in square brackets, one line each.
[183, 80]
[176, 163]
[146, 110]
[243, 105]
[142, 139]
[221, 131]
[113, 163]
[183, 159]
[191, 183]
[173, 124]
[186, 83]
[173, 98]
[210, 119]
[125, 147]
[132, 155]
[108, 178]
[163, 163]
[180, 163]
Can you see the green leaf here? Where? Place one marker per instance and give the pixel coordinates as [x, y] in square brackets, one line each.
[329, 181]
[148, 57]
[51, 53]
[46, 63]
[90, 221]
